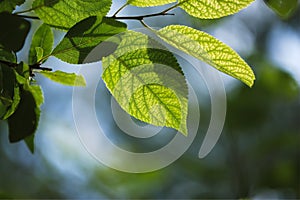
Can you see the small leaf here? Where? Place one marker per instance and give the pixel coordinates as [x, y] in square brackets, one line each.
[7, 56]
[39, 53]
[9, 91]
[147, 82]
[23, 73]
[64, 78]
[9, 5]
[143, 3]
[14, 31]
[84, 37]
[283, 8]
[37, 93]
[15, 103]
[42, 43]
[212, 9]
[64, 14]
[24, 121]
[208, 49]
[29, 141]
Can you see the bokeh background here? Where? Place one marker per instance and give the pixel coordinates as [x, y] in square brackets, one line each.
[257, 156]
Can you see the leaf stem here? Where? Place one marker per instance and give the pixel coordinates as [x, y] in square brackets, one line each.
[142, 17]
[120, 9]
[146, 25]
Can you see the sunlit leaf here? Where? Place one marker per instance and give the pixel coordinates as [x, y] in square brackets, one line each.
[42, 43]
[147, 84]
[143, 3]
[64, 78]
[39, 53]
[64, 14]
[208, 49]
[84, 37]
[211, 9]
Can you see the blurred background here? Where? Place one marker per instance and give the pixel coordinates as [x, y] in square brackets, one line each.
[257, 156]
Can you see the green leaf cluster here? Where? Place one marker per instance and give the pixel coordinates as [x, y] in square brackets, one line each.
[143, 76]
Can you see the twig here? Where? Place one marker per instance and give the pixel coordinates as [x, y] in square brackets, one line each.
[141, 17]
[120, 9]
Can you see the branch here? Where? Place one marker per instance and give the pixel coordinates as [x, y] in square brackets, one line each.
[27, 17]
[119, 10]
[141, 17]
[36, 66]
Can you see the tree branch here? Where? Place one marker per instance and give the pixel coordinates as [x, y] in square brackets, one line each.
[31, 67]
[141, 17]
[119, 10]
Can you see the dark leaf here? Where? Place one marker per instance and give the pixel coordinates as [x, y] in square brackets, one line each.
[13, 32]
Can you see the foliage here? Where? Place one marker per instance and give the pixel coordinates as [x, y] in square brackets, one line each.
[87, 25]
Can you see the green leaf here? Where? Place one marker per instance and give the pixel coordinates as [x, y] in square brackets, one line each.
[29, 141]
[15, 103]
[37, 93]
[84, 37]
[283, 8]
[13, 36]
[146, 82]
[7, 56]
[9, 5]
[39, 53]
[64, 14]
[42, 43]
[208, 49]
[64, 78]
[211, 9]
[143, 3]
[23, 73]
[23, 123]
[9, 91]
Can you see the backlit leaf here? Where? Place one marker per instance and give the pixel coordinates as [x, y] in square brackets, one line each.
[211, 9]
[64, 14]
[143, 3]
[147, 82]
[64, 78]
[208, 49]
[84, 37]
[43, 38]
